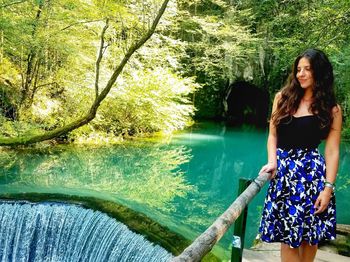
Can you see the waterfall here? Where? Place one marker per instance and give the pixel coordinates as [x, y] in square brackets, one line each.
[64, 232]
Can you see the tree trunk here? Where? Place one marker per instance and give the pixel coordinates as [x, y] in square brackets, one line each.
[31, 59]
[25, 140]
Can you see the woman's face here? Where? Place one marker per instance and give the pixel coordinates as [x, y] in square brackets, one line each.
[305, 74]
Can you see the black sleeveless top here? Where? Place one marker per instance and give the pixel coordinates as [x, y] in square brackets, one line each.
[299, 132]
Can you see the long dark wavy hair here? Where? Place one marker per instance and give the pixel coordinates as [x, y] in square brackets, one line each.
[323, 93]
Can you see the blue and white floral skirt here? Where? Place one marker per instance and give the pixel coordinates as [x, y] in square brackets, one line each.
[288, 214]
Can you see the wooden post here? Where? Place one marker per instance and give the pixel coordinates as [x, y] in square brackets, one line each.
[239, 226]
[205, 242]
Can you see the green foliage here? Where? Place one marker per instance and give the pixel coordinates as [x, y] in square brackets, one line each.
[20, 128]
[220, 49]
[341, 62]
[147, 101]
[49, 55]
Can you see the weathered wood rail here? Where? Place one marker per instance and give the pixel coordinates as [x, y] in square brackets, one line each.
[205, 242]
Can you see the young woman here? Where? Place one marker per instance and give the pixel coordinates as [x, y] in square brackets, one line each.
[299, 208]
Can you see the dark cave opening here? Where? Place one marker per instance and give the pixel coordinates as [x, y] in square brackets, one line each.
[245, 103]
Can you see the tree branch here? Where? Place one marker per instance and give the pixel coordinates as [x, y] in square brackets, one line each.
[13, 3]
[26, 140]
[32, 56]
[326, 26]
[99, 58]
[7, 82]
[127, 56]
[48, 84]
[80, 22]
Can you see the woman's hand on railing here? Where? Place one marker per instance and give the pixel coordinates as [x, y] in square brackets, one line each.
[269, 168]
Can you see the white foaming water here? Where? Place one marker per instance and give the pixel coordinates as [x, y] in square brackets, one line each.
[63, 232]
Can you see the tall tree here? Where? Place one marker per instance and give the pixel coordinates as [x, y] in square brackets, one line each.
[100, 95]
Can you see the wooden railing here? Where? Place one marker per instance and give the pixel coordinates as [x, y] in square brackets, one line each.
[205, 242]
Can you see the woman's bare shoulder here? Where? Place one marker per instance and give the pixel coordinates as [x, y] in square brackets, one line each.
[278, 96]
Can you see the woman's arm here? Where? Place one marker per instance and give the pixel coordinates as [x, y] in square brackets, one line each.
[332, 159]
[332, 146]
[271, 165]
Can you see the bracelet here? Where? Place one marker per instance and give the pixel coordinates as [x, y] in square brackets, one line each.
[330, 185]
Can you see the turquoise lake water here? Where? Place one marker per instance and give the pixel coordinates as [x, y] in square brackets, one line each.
[184, 182]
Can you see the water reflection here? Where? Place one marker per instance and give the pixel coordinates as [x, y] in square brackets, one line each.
[220, 158]
[343, 178]
[148, 175]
